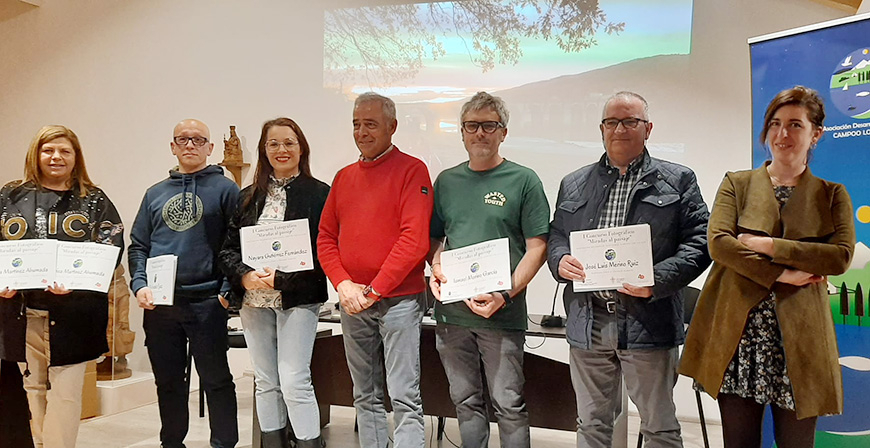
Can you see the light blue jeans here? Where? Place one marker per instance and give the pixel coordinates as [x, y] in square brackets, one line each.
[462, 350]
[280, 343]
[389, 329]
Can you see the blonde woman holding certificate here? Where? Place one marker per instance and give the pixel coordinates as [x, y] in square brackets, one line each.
[280, 309]
[56, 331]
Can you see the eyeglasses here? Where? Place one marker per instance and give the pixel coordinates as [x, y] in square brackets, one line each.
[488, 126]
[275, 145]
[628, 123]
[182, 141]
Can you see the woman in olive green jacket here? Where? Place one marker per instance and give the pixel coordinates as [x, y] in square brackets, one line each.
[763, 332]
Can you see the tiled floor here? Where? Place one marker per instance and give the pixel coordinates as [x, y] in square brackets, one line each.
[138, 428]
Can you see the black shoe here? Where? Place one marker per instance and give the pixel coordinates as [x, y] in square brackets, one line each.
[275, 439]
[312, 443]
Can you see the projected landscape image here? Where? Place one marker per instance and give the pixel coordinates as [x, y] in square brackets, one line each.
[541, 56]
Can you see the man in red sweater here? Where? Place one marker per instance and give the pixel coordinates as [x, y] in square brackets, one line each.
[373, 239]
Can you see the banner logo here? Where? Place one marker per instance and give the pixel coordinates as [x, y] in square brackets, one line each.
[850, 84]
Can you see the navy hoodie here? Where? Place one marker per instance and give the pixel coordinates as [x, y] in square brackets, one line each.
[185, 215]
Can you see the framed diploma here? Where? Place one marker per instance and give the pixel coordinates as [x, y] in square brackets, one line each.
[86, 266]
[161, 278]
[27, 264]
[477, 269]
[614, 256]
[283, 246]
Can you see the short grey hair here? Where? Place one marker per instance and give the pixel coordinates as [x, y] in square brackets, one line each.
[389, 107]
[625, 95]
[483, 100]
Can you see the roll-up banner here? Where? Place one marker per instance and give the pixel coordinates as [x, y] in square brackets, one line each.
[834, 59]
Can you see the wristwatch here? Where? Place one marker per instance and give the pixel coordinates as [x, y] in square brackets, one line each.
[370, 293]
[507, 298]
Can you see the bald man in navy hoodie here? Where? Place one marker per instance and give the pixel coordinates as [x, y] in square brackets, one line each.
[186, 215]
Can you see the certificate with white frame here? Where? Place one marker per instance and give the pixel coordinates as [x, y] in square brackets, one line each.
[613, 256]
[27, 264]
[283, 246]
[86, 266]
[160, 271]
[476, 269]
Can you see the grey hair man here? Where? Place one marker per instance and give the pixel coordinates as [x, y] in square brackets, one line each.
[372, 244]
[484, 199]
[631, 332]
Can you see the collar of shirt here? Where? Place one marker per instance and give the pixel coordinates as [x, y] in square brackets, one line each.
[281, 183]
[363, 158]
[633, 167]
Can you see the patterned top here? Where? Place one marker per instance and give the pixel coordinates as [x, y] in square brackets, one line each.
[616, 204]
[273, 211]
[758, 370]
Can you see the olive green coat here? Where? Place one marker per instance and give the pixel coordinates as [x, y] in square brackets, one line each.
[814, 232]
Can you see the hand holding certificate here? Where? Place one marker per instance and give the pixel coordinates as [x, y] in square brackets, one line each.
[477, 269]
[613, 256]
[283, 246]
[161, 278]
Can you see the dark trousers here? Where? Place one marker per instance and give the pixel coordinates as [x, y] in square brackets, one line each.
[14, 412]
[168, 330]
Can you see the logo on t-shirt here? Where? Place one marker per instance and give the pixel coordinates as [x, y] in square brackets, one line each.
[494, 198]
[178, 212]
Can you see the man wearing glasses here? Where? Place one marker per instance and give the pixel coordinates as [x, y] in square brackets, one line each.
[186, 215]
[631, 332]
[372, 244]
[484, 199]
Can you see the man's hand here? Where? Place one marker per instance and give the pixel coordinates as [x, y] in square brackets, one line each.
[570, 268]
[643, 292]
[485, 305]
[145, 298]
[255, 280]
[800, 278]
[760, 244]
[59, 290]
[436, 280]
[223, 301]
[351, 297]
[8, 293]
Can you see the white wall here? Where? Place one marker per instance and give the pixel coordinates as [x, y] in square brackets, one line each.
[121, 74]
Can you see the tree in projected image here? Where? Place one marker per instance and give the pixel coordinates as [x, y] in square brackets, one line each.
[386, 44]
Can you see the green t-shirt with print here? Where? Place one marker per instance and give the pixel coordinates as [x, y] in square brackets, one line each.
[476, 206]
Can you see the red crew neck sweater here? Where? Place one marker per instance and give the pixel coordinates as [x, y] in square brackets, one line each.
[375, 225]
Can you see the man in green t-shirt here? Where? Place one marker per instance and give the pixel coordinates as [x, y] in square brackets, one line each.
[484, 199]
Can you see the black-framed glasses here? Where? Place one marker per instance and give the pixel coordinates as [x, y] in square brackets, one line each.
[275, 145]
[182, 141]
[628, 123]
[488, 126]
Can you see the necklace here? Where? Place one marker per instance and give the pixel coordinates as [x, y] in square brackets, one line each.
[784, 182]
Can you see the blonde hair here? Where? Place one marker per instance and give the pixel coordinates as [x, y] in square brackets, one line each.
[79, 177]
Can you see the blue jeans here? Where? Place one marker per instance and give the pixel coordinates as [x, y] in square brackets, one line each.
[280, 343]
[168, 331]
[462, 349]
[389, 329]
